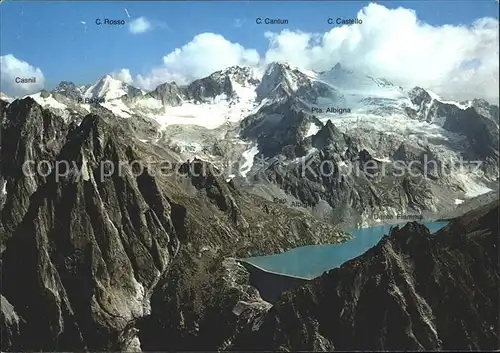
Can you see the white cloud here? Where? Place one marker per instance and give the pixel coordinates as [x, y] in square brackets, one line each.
[390, 43]
[139, 25]
[206, 53]
[12, 68]
[123, 75]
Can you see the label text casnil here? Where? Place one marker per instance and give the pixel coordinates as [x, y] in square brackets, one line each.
[25, 79]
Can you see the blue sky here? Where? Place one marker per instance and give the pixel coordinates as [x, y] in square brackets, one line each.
[50, 35]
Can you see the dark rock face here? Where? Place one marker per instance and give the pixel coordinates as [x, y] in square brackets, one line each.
[482, 133]
[412, 291]
[278, 125]
[93, 247]
[30, 135]
[329, 135]
[209, 87]
[219, 83]
[3, 106]
[486, 109]
[68, 89]
[201, 291]
[168, 93]
[419, 96]
[280, 81]
[105, 239]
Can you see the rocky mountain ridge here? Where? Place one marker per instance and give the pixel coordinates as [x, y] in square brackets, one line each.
[104, 229]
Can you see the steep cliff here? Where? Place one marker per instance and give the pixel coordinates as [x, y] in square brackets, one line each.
[101, 237]
[413, 291]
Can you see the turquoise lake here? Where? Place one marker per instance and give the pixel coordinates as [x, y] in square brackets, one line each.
[311, 261]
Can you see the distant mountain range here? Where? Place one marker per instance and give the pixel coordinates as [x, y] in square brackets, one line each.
[237, 116]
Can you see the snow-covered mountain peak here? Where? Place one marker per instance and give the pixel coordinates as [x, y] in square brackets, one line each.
[277, 66]
[65, 85]
[280, 80]
[233, 84]
[340, 68]
[281, 69]
[419, 95]
[169, 93]
[108, 88]
[341, 76]
[354, 83]
[245, 76]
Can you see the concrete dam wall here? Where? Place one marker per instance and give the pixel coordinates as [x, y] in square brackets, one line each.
[270, 284]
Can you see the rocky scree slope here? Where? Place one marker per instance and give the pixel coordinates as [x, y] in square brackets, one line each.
[412, 291]
[94, 258]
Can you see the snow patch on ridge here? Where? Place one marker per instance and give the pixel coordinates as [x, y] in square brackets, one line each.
[3, 192]
[48, 102]
[383, 159]
[438, 98]
[471, 186]
[312, 130]
[248, 156]
[86, 107]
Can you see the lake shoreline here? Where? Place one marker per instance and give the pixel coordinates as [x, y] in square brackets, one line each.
[274, 274]
[312, 261]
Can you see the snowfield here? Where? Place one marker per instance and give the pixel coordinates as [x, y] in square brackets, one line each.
[118, 108]
[210, 114]
[400, 125]
[48, 102]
